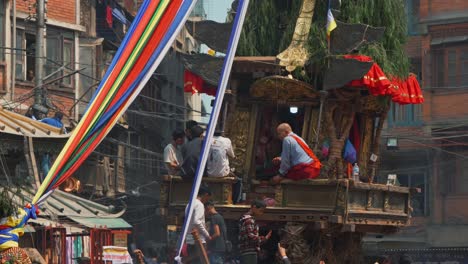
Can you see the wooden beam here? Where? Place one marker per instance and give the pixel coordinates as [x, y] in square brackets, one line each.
[321, 225]
[33, 162]
[348, 228]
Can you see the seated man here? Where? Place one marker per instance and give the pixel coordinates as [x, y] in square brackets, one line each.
[297, 160]
[172, 154]
[191, 152]
[55, 121]
[218, 162]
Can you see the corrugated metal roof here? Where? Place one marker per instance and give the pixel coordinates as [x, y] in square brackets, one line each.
[16, 124]
[64, 205]
[111, 223]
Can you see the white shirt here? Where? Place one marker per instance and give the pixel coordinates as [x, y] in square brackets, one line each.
[218, 162]
[172, 154]
[198, 222]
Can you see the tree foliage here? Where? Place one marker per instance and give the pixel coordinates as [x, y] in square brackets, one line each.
[269, 27]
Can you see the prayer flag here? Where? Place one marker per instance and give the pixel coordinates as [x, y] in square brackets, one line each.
[331, 23]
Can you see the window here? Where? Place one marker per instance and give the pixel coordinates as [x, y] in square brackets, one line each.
[412, 11]
[419, 201]
[461, 182]
[2, 29]
[25, 55]
[404, 115]
[451, 67]
[67, 60]
[60, 57]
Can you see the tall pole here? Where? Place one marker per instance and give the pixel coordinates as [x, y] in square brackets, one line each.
[39, 67]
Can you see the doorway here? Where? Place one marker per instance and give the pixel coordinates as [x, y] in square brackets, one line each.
[267, 145]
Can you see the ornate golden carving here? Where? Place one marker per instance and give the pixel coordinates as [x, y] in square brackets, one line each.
[238, 131]
[296, 55]
[370, 198]
[227, 193]
[386, 202]
[276, 88]
[279, 195]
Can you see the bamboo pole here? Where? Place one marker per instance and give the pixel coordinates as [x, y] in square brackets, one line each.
[201, 248]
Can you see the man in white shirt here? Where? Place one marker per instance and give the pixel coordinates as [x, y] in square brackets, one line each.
[172, 154]
[218, 161]
[197, 223]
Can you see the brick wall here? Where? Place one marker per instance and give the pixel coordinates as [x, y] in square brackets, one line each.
[443, 6]
[60, 10]
[63, 103]
[413, 47]
[449, 105]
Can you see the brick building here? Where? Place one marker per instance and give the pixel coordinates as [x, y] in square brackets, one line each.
[432, 139]
[17, 56]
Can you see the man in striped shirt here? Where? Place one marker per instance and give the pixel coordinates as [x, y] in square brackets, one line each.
[249, 237]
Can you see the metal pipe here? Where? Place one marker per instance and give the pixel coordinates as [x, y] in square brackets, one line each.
[13, 54]
[39, 67]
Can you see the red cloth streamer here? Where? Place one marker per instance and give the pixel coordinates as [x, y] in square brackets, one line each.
[109, 16]
[375, 79]
[355, 135]
[409, 91]
[402, 92]
[195, 84]
[192, 82]
[209, 90]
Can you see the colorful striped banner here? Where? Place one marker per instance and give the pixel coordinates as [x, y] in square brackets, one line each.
[149, 38]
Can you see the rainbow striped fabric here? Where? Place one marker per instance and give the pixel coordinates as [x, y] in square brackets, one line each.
[149, 38]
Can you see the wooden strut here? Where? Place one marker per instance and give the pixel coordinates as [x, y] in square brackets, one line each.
[201, 248]
[31, 160]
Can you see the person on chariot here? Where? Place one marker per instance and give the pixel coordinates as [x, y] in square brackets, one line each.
[297, 161]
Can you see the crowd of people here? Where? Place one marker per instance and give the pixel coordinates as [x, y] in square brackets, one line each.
[214, 236]
[181, 156]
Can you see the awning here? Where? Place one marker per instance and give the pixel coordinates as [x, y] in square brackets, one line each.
[215, 35]
[111, 223]
[61, 205]
[46, 222]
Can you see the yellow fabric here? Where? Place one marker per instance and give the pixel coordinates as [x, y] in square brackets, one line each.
[18, 229]
[331, 23]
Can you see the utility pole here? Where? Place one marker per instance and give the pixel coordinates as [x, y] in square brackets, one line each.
[39, 67]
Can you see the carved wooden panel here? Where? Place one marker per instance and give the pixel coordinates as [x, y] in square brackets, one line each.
[357, 200]
[238, 130]
[396, 202]
[375, 201]
[179, 191]
[318, 196]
